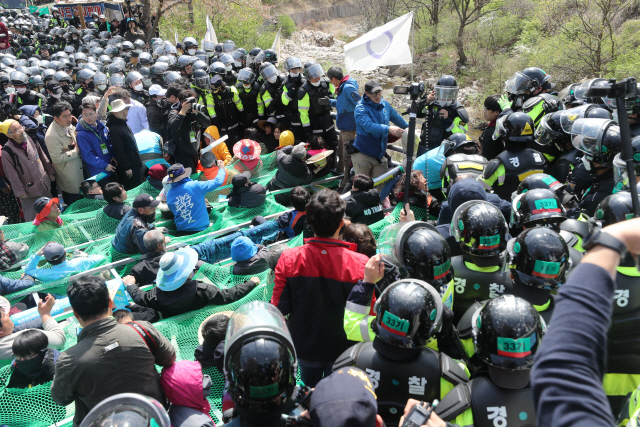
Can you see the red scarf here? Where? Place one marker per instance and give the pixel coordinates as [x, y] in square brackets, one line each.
[344, 79]
[42, 215]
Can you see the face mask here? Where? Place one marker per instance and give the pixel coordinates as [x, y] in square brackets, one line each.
[138, 88]
[238, 64]
[21, 90]
[139, 50]
[102, 87]
[65, 88]
[192, 52]
[246, 86]
[294, 75]
[272, 79]
[586, 163]
[42, 91]
[10, 90]
[316, 84]
[228, 67]
[91, 85]
[39, 120]
[210, 54]
[56, 95]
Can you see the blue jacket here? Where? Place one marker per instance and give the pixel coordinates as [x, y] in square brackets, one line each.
[372, 126]
[9, 286]
[60, 271]
[130, 232]
[90, 140]
[345, 104]
[186, 200]
[466, 190]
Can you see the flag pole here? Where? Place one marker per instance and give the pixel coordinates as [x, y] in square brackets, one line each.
[412, 37]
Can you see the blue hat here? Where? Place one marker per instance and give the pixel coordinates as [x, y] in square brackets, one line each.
[242, 249]
[175, 268]
[345, 398]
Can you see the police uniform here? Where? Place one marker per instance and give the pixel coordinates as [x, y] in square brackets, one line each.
[504, 173]
[461, 164]
[142, 96]
[271, 94]
[230, 78]
[291, 87]
[252, 103]
[228, 107]
[32, 97]
[316, 118]
[602, 186]
[435, 129]
[205, 98]
[564, 164]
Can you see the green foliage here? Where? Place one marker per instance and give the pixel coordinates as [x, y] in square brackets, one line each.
[287, 24]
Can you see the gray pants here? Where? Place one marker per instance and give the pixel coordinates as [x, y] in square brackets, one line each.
[367, 165]
[344, 165]
[28, 210]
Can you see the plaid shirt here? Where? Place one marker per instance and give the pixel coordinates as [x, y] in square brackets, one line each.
[7, 257]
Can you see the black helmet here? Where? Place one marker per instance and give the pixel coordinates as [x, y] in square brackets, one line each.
[238, 58]
[35, 82]
[536, 74]
[246, 75]
[507, 332]
[615, 208]
[132, 77]
[127, 45]
[158, 69]
[226, 59]
[620, 174]
[139, 44]
[145, 58]
[538, 207]
[127, 409]
[539, 258]
[540, 180]
[260, 359]
[586, 111]
[292, 62]
[217, 68]
[84, 75]
[455, 141]
[115, 68]
[172, 77]
[189, 43]
[19, 78]
[252, 54]
[80, 57]
[599, 139]
[185, 60]
[447, 80]
[201, 78]
[480, 229]
[419, 251]
[408, 314]
[116, 80]
[312, 70]
[229, 46]
[550, 131]
[271, 56]
[268, 70]
[516, 127]
[199, 65]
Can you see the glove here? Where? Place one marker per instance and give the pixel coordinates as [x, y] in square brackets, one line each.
[324, 101]
[550, 106]
[504, 102]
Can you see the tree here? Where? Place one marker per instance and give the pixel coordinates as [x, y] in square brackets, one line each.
[427, 12]
[468, 11]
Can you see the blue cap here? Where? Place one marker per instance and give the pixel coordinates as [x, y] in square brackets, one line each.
[242, 249]
[346, 398]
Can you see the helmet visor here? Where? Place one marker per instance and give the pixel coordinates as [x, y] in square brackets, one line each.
[228, 47]
[586, 135]
[544, 134]
[246, 76]
[499, 127]
[314, 71]
[568, 117]
[620, 175]
[268, 72]
[446, 94]
[520, 84]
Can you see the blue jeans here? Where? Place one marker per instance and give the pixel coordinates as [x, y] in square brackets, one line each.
[312, 372]
[9, 286]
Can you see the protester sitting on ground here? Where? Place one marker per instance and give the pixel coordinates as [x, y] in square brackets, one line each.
[187, 388]
[246, 194]
[59, 267]
[248, 152]
[177, 293]
[134, 225]
[115, 195]
[286, 139]
[254, 134]
[10, 252]
[54, 332]
[315, 146]
[135, 312]
[109, 358]
[362, 236]
[269, 126]
[292, 171]
[208, 164]
[363, 205]
[34, 363]
[210, 352]
[251, 259]
[417, 193]
[9, 286]
[47, 214]
[91, 190]
[186, 198]
[221, 151]
[292, 223]
[156, 175]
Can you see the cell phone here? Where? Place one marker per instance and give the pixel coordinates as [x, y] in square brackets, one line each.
[418, 416]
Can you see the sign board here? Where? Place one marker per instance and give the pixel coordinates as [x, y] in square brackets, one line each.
[110, 10]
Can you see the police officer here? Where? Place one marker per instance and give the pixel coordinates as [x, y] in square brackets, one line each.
[261, 364]
[314, 105]
[482, 233]
[202, 86]
[599, 140]
[229, 77]
[87, 85]
[551, 137]
[632, 107]
[292, 84]
[506, 332]
[462, 158]
[228, 110]
[504, 173]
[271, 91]
[184, 65]
[444, 115]
[521, 87]
[133, 82]
[623, 364]
[26, 96]
[620, 174]
[408, 314]
[248, 90]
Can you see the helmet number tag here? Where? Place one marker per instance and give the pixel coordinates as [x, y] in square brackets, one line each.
[517, 348]
[546, 205]
[546, 269]
[394, 324]
[440, 271]
[489, 242]
[550, 181]
[263, 391]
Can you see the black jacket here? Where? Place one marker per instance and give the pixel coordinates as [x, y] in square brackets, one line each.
[191, 296]
[146, 270]
[157, 118]
[249, 196]
[365, 207]
[263, 260]
[291, 171]
[36, 371]
[116, 210]
[180, 128]
[124, 144]
[490, 147]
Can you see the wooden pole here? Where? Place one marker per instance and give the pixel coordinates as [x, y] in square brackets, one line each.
[83, 25]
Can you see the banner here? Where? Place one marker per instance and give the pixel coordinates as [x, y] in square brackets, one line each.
[276, 44]
[385, 45]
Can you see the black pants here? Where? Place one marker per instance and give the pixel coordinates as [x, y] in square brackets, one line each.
[129, 183]
[69, 198]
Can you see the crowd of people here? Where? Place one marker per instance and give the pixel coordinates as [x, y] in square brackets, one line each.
[497, 276]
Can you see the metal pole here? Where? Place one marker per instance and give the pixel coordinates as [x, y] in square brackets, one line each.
[627, 153]
[413, 30]
[410, 143]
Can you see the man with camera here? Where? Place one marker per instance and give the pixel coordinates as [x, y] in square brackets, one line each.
[186, 121]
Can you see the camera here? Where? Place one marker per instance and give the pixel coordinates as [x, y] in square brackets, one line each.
[195, 106]
[626, 88]
[415, 90]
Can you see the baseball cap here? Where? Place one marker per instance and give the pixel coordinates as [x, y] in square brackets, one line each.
[134, 53]
[144, 201]
[216, 81]
[54, 87]
[241, 179]
[372, 86]
[53, 251]
[344, 398]
[157, 90]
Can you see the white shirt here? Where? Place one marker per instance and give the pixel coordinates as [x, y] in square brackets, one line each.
[137, 117]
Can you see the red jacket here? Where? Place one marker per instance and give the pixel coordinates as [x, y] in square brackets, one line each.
[4, 35]
[312, 285]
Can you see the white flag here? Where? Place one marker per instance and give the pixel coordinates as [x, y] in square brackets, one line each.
[386, 45]
[276, 44]
[175, 35]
